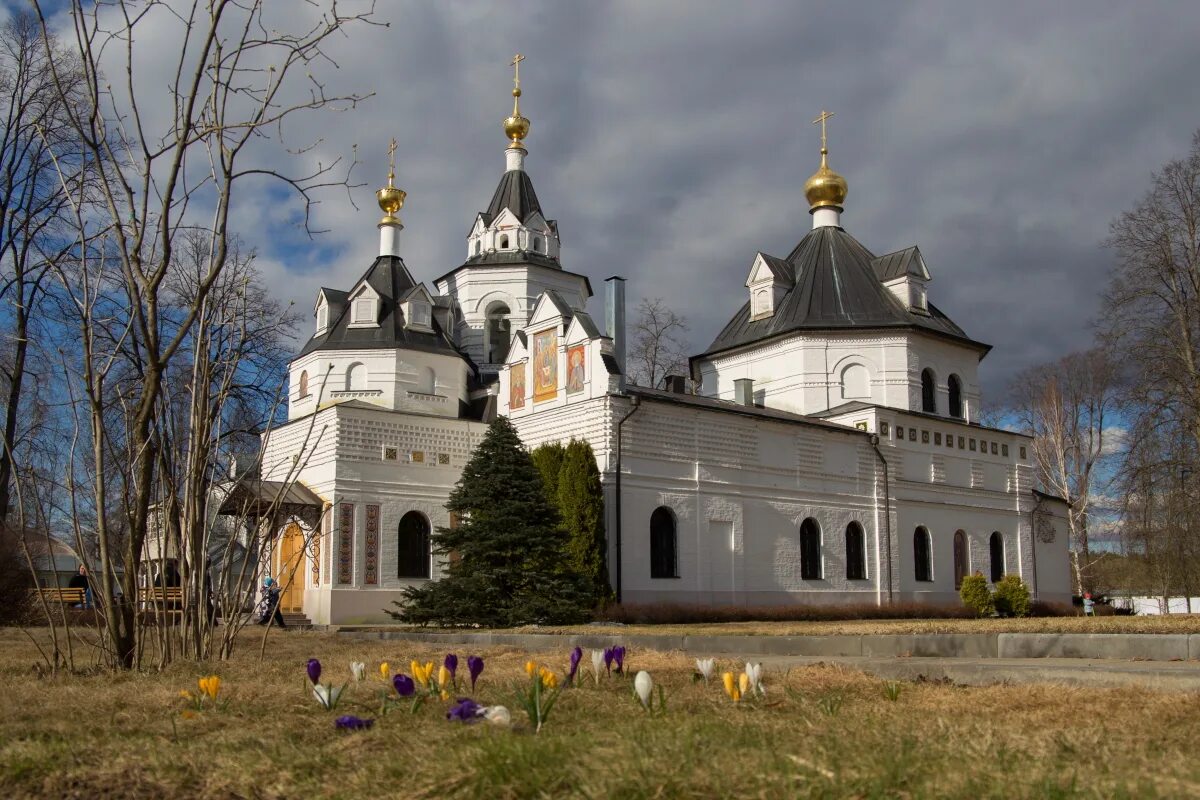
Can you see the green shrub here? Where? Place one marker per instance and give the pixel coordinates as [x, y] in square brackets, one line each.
[1011, 597]
[976, 596]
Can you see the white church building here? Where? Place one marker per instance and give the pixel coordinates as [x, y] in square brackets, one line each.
[831, 451]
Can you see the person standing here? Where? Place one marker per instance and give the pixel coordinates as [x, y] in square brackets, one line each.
[271, 598]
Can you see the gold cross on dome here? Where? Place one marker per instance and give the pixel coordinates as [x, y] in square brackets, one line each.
[516, 65]
[392, 159]
[821, 119]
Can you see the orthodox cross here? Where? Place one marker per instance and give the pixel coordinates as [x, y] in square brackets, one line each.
[821, 119]
[392, 159]
[516, 65]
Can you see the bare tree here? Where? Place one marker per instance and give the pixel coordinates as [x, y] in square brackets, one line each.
[34, 145]
[240, 83]
[657, 348]
[1068, 407]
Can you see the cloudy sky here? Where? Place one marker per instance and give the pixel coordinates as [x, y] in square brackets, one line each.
[672, 139]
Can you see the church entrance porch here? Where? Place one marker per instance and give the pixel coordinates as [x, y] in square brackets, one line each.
[289, 567]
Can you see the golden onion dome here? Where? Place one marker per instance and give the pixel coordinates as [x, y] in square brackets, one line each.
[516, 127]
[390, 198]
[826, 188]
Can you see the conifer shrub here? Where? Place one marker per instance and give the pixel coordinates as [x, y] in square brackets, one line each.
[976, 595]
[581, 504]
[509, 543]
[1011, 597]
[548, 458]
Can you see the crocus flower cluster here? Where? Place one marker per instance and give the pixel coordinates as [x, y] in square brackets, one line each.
[614, 659]
[350, 722]
[209, 686]
[325, 693]
[747, 684]
[422, 674]
[705, 667]
[358, 670]
[465, 710]
[547, 676]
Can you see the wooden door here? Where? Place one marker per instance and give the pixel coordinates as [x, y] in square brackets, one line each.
[960, 558]
[291, 568]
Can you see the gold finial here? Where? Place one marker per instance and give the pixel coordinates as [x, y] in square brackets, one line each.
[516, 127]
[825, 188]
[389, 197]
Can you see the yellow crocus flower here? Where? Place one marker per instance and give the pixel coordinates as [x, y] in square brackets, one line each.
[210, 686]
[549, 679]
[418, 673]
[443, 676]
[530, 668]
[385, 671]
[731, 687]
[743, 683]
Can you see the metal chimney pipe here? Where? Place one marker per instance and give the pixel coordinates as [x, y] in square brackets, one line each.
[614, 320]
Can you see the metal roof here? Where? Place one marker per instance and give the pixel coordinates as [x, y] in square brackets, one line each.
[514, 192]
[836, 288]
[391, 280]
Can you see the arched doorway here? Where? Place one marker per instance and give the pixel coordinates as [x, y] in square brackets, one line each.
[412, 546]
[289, 568]
[960, 558]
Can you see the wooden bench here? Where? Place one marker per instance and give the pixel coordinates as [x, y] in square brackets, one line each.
[60, 595]
[168, 597]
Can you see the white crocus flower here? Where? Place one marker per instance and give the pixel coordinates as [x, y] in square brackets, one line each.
[754, 674]
[327, 694]
[643, 685]
[705, 667]
[358, 670]
[497, 715]
[597, 663]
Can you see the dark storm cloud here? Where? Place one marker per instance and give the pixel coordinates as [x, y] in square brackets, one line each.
[672, 140]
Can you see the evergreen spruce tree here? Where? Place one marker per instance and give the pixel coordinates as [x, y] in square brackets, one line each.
[549, 460]
[581, 504]
[509, 547]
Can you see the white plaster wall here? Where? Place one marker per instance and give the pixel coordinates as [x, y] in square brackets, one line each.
[394, 381]
[802, 373]
[475, 289]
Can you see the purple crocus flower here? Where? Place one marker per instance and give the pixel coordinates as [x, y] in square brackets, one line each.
[403, 685]
[314, 670]
[451, 664]
[475, 667]
[465, 710]
[576, 657]
[352, 723]
[609, 654]
[619, 658]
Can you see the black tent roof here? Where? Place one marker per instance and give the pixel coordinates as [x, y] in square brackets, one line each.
[392, 281]
[836, 287]
[515, 192]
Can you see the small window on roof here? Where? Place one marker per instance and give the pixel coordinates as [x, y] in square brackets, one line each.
[504, 242]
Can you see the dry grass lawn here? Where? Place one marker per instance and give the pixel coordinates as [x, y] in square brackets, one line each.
[1174, 623]
[823, 732]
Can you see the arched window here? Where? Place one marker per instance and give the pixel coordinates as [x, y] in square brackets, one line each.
[304, 383]
[960, 558]
[356, 377]
[537, 244]
[504, 242]
[996, 550]
[426, 380]
[856, 382]
[954, 385]
[810, 550]
[922, 554]
[663, 562]
[856, 553]
[497, 332]
[928, 392]
[412, 546]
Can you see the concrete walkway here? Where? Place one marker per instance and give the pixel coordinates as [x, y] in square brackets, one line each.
[1154, 661]
[1157, 675]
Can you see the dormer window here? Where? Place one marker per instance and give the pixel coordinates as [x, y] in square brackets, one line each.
[504, 242]
[322, 318]
[364, 308]
[762, 301]
[417, 314]
[920, 300]
[537, 244]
